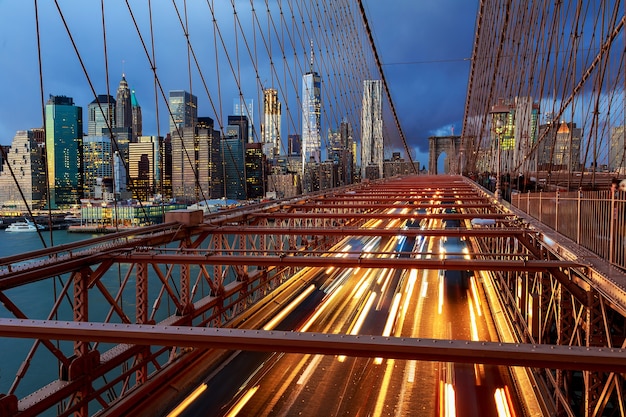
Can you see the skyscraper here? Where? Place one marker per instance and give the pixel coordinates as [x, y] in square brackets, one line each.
[617, 156]
[245, 107]
[184, 109]
[101, 115]
[518, 134]
[97, 162]
[311, 111]
[560, 147]
[372, 152]
[233, 158]
[270, 130]
[64, 151]
[209, 160]
[340, 152]
[137, 116]
[144, 166]
[255, 172]
[24, 158]
[123, 105]
[294, 145]
[197, 168]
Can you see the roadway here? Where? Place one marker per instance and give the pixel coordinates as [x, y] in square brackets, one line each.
[429, 304]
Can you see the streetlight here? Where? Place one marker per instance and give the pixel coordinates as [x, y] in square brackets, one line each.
[498, 114]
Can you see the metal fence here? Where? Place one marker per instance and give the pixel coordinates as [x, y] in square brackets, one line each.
[595, 220]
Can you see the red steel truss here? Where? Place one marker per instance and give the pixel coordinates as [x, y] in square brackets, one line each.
[215, 271]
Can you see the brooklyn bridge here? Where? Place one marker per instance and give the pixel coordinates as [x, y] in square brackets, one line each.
[492, 283]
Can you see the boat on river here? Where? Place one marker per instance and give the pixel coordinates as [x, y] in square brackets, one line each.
[25, 226]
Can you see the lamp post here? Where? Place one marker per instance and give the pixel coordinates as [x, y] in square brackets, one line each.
[498, 129]
[498, 114]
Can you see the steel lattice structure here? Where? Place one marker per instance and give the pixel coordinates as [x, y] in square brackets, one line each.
[565, 58]
[221, 270]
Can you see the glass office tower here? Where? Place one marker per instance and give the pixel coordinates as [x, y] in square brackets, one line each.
[64, 151]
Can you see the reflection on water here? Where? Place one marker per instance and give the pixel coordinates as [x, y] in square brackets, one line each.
[36, 301]
[16, 243]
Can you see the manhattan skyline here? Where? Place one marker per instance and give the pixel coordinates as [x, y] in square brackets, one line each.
[424, 48]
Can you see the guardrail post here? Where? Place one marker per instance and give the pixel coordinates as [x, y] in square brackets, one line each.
[556, 211]
[578, 215]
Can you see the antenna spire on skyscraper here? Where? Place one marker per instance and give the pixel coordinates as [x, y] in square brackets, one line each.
[312, 53]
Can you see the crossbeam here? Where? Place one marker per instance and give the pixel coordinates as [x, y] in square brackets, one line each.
[462, 351]
[363, 231]
[40, 272]
[348, 262]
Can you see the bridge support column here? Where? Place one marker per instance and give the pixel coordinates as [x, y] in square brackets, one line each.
[595, 336]
[141, 313]
[565, 328]
[84, 361]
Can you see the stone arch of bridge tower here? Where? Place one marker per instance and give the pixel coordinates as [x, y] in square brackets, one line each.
[451, 145]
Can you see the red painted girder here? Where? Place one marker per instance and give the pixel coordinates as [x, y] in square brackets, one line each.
[399, 198]
[315, 260]
[391, 205]
[461, 351]
[352, 231]
[378, 215]
[75, 246]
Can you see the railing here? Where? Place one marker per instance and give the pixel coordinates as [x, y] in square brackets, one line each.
[595, 220]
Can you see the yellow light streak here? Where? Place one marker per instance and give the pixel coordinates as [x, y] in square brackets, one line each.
[391, 319]
[440, 308]
[409, 288]
[384, 387]
[381, 276]
[502, 405]
[393, 313]
[277, 319]
[360, 319]
[473, 325]
[362, 285]
[363, 314]
[412, 365]
[319, 311]
[475, 295]
[424, 292]
[450, 401]
[191, 398]
[242, 402]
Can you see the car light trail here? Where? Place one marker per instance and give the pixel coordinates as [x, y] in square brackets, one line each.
[338, 282]
[191, 398]
[391, 319]
[359, 321]
[384, 387]
[424, 290]
[409, 288]
[412, 365]
[242, 402]
[502, 403]
[363, 283]
[381, 276]
[440, 307]
[309, 369]
[475, 295]
[447, 400]
[473, 326]
[388, 275]
[280, 316]
[319, 311]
